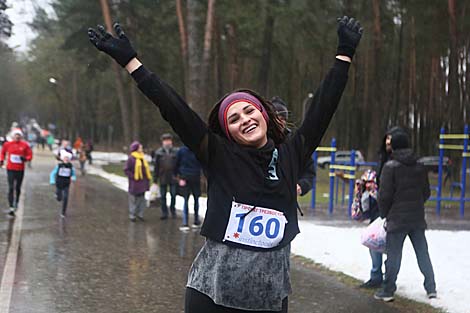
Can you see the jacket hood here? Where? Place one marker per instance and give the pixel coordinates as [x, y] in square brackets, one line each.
[400, 140]
[390, 131]
[405, 156]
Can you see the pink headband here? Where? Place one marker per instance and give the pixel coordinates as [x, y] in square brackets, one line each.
[235, 98]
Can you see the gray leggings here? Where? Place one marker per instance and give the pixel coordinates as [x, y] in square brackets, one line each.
[137, 205]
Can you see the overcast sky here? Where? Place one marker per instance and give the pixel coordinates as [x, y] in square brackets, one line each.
[21, 12]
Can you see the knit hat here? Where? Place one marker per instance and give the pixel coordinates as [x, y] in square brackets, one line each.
[64, 154]
[166, 136]
[280, 107]
[400, 140]
[17, 131]
[134, 146]
[235, 98]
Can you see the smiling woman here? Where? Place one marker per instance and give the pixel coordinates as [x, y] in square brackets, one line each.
[244, 117]
[252, 173]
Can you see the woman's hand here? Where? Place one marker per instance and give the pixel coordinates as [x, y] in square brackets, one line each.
[119, 48]
[349, 35]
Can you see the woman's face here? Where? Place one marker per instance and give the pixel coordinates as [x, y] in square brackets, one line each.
[247, 125]
[140, 149]
[388, 143]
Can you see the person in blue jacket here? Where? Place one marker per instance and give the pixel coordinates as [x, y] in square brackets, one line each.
[188, 172]
[61, 176]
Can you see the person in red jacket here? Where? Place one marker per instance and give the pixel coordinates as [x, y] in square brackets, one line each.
[18, 153]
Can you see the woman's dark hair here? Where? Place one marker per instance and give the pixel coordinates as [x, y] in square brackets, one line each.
[275, 129]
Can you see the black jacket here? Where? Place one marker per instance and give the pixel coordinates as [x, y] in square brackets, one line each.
[165, 165]
[306, 179]
[404, 189]
[241, 173]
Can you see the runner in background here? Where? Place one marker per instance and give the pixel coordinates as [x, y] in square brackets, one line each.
[16, 153]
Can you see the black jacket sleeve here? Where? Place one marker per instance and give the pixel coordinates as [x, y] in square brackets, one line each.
[185, 122]
[306, 179]
[427, 190]
[386, 191]
[323, 106]
[156, 168]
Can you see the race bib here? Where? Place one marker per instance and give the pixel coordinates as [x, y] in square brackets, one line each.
[262, 228]
[65, 172]
[15, 158]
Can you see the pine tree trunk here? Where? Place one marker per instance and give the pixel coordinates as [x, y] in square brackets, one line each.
[376, 105]
[453, 96]
[233, 68]
[183, 44]
[117, 74]
[193, 95]
[206, 54]
[263, 76]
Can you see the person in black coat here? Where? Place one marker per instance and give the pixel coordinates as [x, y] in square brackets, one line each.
[403, 190]
[252, 173]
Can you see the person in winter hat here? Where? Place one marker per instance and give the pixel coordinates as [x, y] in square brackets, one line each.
[385, 151]
[252, 174]
[365, 207]
[403, 190]
[305, 183]
[137, 171]
[17, 152]
[61, 176]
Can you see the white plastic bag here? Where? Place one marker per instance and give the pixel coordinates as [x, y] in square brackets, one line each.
[374, 236]
[153, 194]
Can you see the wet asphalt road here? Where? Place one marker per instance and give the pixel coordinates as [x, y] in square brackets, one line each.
[97, 261]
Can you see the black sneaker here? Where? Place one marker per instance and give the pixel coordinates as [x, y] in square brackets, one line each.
[370, 284]
[432, 295]
[164, 217]
[384, 296]
[133, 219]
[12, 213]
[140, 218]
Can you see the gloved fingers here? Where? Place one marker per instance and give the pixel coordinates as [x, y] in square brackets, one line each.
[93, 36]
[119, 31]
[356, 26]
[342, 20]
[351, 23]
[103, 32]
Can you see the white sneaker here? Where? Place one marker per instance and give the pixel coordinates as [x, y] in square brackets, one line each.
[185, 228]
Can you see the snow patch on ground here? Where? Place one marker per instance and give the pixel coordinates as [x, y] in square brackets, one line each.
[339, 249]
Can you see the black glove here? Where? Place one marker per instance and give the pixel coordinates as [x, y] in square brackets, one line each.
[119, 48]
[349, 35]
[23, 159]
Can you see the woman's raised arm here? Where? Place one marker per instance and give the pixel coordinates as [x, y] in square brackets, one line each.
[328, 94]
[184, 121]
